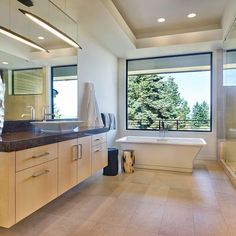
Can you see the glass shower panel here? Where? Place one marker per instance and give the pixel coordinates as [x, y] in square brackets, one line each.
[228, 157]
[228, 144]
[230, 93]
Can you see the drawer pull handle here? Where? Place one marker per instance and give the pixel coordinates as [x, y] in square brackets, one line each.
[75, 152]
[40, 173]
[80, 151]
[41, 155]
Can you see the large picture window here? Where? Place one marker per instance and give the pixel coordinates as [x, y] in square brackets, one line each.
[172, 92]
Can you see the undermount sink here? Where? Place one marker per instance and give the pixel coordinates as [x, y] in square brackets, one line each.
[57, 126]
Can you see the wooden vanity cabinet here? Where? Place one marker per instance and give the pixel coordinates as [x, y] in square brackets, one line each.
[31, 178]
[74, 162]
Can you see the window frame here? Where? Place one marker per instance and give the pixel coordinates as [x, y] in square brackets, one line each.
[171, 56]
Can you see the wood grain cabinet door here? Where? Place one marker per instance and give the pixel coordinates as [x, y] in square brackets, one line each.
[67, 165]
[35, 187]
[84, 158]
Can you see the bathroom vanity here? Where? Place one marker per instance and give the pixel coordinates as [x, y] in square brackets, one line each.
[36, 168]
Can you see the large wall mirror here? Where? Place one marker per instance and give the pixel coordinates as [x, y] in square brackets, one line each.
[33, 78]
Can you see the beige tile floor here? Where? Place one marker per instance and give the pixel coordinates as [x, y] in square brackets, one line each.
[145, 203]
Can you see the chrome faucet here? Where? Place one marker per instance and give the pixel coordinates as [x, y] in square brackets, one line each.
[31, 114]
[45, 114]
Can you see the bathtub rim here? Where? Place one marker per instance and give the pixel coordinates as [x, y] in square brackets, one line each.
[162, 141]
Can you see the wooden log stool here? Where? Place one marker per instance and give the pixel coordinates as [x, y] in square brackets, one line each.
[128, 161]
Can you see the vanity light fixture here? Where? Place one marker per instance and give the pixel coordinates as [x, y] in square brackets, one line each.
[191, 15]
[5, 63]
[21, 38]
[50, 28]
[161, 20]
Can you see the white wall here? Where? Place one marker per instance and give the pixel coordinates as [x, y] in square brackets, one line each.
[99, 66]
[210, 151]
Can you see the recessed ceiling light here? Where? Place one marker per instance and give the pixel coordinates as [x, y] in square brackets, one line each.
[160, 20]
[191, 15]
[41, 37]
[5, 63]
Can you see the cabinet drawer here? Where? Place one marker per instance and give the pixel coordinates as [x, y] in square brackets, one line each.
[99, 157]
[35, 156]
[35, 187]
[99, 139]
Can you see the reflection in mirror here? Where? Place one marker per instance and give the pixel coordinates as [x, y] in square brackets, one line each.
[64, 91]
[14, 20]
[27, 81]
[15, 102]
[26, 85]
[23, 87]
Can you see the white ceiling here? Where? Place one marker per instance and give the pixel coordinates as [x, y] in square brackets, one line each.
[128, 27]
[141, 16]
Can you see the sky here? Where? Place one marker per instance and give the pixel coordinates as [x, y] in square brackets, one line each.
[230, 77]
[66, 100]
[193, 86]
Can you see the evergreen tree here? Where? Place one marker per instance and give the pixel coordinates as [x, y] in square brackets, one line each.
[201, 114]
[152, 98]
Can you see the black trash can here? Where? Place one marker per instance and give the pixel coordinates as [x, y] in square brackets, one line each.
[112, 168]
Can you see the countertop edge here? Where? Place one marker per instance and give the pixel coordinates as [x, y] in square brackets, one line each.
[21, 144]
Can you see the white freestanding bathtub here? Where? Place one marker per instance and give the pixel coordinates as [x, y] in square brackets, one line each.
[167, 153]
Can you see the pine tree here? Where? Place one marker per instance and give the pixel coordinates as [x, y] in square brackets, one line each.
[152, 98]
[201, 114]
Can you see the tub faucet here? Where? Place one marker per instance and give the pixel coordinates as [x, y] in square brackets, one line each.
[162, 130]
[31, 114]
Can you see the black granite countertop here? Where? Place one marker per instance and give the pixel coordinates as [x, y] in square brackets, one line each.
[23, 139]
